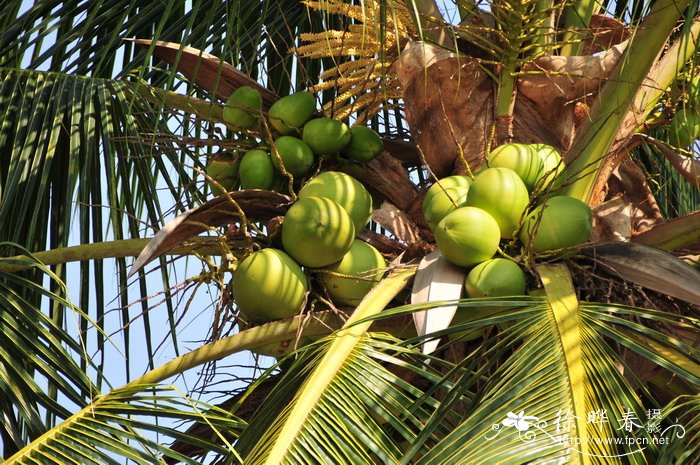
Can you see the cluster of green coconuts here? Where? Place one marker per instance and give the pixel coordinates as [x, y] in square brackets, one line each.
[685, 126]
[319, 238]
[299, 140]
[319, 230]
[472, 218]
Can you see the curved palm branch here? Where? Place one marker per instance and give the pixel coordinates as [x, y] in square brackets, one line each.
[122, 424]
[36, 352]
[44, 378]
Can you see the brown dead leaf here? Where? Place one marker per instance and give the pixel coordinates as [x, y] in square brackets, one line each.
[257, 205]
[449, 102]
[209, 71]
[604, 32]
[612, 220]
[555, 84]
[387, 176]
[674, 234]
[630, 181]
[449, 106]
[649, 267]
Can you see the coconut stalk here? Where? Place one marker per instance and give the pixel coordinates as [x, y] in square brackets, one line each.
[515, 23]
[206, 110]
[576, 21]
[666, 71]
[544, 34]
[587, 154]
[111, 249]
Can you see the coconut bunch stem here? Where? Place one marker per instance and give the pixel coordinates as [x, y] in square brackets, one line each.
[519, 24]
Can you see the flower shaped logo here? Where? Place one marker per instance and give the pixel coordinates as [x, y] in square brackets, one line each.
[520, 421]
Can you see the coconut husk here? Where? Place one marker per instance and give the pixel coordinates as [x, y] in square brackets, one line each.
[604, 32]
[629, 180]
[559, 87]
[449, 106]
[449, 102]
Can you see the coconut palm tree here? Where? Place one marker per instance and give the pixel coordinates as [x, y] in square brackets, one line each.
[111, 112]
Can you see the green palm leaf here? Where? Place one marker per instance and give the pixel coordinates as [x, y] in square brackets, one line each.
[36, 352]
[43, 374]
[287, 439]
[363, 416]
[560, 369]
[70, 146]
[684, 430]
[121, 425]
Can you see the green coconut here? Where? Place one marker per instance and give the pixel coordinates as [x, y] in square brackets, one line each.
[520, 158]
[295, 154]
[268, 285]
[685, 128]
[442, 184]
[289, 114]
[256, 170]
[354, 275]
[551, 164]
[364, 145]
[317, 232]
[326, 136]
[501, 193]
[243, 107]
[563, 222]
[444, 202]
[224, 171]
[346, 191]
[467, 236]
[498, 277]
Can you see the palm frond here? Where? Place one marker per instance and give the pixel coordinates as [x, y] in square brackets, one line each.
[71, 147]
[284, 440]
[535, 380]
[676, 197]
[37, 355]
[366, 414]
[683, 416]
[123, 425]
[43, 380]
[88, 38]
